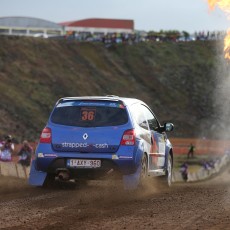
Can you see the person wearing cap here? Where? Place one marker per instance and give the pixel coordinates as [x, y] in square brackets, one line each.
[7, 148]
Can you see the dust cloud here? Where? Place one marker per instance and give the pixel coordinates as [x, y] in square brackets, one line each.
[221, 100]
[111, 192]
[222, 96]
[222, 108]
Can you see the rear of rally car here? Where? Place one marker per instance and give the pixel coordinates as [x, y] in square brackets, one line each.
[86, 138]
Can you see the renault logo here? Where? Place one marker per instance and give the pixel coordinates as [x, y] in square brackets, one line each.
[85, 136]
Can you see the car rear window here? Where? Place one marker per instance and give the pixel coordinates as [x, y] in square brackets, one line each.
[90, 114]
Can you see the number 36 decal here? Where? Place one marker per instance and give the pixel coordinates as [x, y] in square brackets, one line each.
[88, 114]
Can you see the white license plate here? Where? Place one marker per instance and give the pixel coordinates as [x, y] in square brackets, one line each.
[84, 163]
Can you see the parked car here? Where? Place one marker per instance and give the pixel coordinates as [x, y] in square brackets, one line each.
[89, 138]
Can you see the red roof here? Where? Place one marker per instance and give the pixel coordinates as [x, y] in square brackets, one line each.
[101, 23]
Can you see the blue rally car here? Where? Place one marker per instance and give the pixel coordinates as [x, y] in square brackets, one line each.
[90, 138]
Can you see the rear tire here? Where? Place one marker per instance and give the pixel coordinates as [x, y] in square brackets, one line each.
[166, 181]
[144, 171]
[169, 171]
[137, 180]
[49, 181]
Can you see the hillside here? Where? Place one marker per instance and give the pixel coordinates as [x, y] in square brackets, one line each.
[175, 79]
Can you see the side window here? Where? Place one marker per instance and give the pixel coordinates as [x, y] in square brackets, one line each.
[139, 116]
[152, 121]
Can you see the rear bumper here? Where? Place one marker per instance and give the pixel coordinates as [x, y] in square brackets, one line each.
[107, 167]
[36, 178]
[122, 162]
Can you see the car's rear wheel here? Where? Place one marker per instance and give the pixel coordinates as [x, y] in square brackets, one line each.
[49, 181]
[166, 181]
[169, 171]
[136, 180]
[144, 171]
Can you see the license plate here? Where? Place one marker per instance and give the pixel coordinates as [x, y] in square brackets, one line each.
[84, 163]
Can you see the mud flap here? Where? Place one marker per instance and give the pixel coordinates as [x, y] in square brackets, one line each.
[36, 178]
[131, 181]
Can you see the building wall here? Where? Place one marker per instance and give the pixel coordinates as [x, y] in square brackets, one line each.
[97, 30]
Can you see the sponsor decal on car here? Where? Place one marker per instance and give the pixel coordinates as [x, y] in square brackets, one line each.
[93, 104]
[115, 157]
[101, 146]
[84, 145]
[50, 155]
[156, 160]
[125, 157]
[40, 155]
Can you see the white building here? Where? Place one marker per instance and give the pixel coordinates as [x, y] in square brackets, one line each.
[26, 26]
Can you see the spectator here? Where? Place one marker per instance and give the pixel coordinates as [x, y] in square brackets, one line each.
[25, 154]
[208, 165]
[184, 171]
[191, 151]
[7, 148]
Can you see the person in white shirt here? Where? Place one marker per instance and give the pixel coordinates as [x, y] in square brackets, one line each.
[7, 148]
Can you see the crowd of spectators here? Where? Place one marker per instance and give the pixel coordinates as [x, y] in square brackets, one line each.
[21, 155]
[162, 36]
[209, 164]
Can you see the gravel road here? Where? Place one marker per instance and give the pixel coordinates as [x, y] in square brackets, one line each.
[104, 205]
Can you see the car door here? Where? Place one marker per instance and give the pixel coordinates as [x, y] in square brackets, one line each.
[156, 154]
[143, 132]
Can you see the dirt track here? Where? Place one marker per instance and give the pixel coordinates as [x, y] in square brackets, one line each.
[100, 205]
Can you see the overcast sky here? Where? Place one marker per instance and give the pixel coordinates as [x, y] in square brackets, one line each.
[188, 15]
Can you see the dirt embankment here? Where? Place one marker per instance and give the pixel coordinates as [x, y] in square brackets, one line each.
[176, 79]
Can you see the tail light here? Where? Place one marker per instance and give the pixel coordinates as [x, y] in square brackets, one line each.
[128, 137]
[46, 135]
